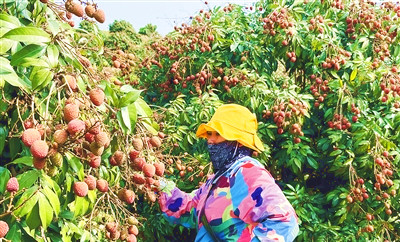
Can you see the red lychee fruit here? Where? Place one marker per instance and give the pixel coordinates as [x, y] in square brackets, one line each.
[60, 136]
[89, 137]
[75, 126]
[74, 7]
[28, 124]
[138, 163]
[91, 182]
[29, 136]
[93, 126]
[71, 82]
[71, 111]
[97, 96]
[90, 10]
[118, 158]
[102, 185]
[126, 195]
[39, 163]
[39, 149]
[133, 154]
[133, 230]
[96, 149]
[94, 161]
[149, 170]
[102, 139]
[100, 16]
[137, 144]
[12, 185]
[160, 168]
[3, 229]
[138, 178]
[80, 189]
[155, 141]
[131, 238]
[111, 227]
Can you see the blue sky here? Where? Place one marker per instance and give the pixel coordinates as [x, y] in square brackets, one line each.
[164, 13]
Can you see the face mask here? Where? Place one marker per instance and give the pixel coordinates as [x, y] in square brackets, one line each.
[222, 154]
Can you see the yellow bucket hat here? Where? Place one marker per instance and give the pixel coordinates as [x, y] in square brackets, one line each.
[234, 123]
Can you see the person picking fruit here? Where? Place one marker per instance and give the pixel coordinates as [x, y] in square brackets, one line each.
[241, 201]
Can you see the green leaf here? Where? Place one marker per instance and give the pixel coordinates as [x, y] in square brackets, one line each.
[52, 54]
[8, 74]
[30, 202]
[28, 35]
[126, 119]
[5, 44]
[40, 77]
[81, 206]
[28, 178]
[29, 51]
[3, 136]
[129, 98]
[14, 234]
[132, 115]
[9, 21]
[111, 96]
[4, 177]
[121, 123]
[53, 199]
[33, 218]
[25, 160]
[313, 163]
[45, 210]
[76, 166]
[353, 74]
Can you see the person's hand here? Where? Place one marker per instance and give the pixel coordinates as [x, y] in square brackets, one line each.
[167, 186]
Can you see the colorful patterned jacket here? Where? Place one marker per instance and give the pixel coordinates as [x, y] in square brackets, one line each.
[245, 205]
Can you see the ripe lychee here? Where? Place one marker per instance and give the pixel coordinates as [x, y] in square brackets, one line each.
[71, 81]
[71, 111]
[131, 238]
[3, 229]
[111, 227]
[39, 163]
[155, 141]
[30, 136]
[94, 161]
[89, 137]
[91, 182]
[133, 154]
[74, 7]
[99, 16]
[138, 178]
[133, 230]
[118, 158]
[149, 170]
[90, 10]
[12, 185]
[93, 126]
[101, 139]
[137, 144]
[60, 136]
[102, 185]
[126, 195]
[160, 168]
[39, 149]
[97, 96]
[138, 163]
[75, 126]
[80, 189]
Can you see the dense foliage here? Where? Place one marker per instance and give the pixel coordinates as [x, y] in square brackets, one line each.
[321, 76]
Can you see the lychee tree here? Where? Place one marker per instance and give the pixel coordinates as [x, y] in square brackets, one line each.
[323, 80]
[67, 132]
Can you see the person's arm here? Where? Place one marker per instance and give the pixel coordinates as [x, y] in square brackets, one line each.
[179, 207]
[260, 203]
